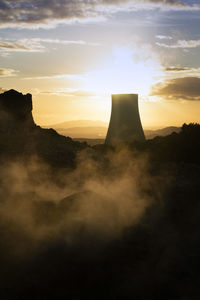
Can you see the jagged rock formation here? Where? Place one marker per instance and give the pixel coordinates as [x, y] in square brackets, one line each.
[16, 109]
[20, 136]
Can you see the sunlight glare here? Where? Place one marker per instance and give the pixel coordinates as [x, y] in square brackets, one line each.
[125, 72]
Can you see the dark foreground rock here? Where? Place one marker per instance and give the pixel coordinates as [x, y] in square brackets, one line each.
[20, 137]
[158, 258]
[53, 247]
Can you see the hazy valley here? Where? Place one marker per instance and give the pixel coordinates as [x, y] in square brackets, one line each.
[94, 132]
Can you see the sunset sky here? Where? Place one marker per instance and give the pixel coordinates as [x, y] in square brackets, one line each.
[72, 54]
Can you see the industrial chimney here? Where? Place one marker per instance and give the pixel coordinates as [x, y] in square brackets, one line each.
[125, 125]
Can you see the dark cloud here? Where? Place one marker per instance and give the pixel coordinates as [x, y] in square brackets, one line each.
[176, 69]
[165, 2]
[26, 12]
[187, 88]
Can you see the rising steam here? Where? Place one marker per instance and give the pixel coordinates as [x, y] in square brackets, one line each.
[101, 198]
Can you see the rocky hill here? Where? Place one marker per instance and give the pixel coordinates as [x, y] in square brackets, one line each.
[21, 137]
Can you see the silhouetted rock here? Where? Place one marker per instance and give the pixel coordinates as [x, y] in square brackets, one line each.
[150, 134]
[21, 137]
[177, 147]
[17, 108]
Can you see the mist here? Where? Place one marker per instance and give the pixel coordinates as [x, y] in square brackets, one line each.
[100, 197]
[96, 222]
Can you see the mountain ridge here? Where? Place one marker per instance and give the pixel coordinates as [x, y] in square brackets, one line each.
[99, 132]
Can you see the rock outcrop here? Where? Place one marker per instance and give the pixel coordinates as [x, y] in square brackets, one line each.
[16, 109]
[21, 137]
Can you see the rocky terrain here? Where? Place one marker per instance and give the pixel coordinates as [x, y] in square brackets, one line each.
[20, 136]
[80, 222]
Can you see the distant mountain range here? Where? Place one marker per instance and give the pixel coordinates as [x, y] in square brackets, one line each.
[150, 134]
[96, 130]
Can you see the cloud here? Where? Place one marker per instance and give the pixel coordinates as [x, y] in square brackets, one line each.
[65, 42]
[186, 88]
[2, 90]
[36, 44]
[176, 69]
[37, 13]
[7, 72]
[21, 45]
[163, 37]
[181, 44]
[173, 72]
[12, 46]
[68, 92]
[57, 76]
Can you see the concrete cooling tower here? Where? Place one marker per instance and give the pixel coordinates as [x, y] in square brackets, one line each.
[125, 125]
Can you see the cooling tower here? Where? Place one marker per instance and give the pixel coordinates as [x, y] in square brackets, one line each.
[125, 125]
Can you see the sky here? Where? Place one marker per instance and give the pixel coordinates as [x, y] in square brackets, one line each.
[71, 55]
